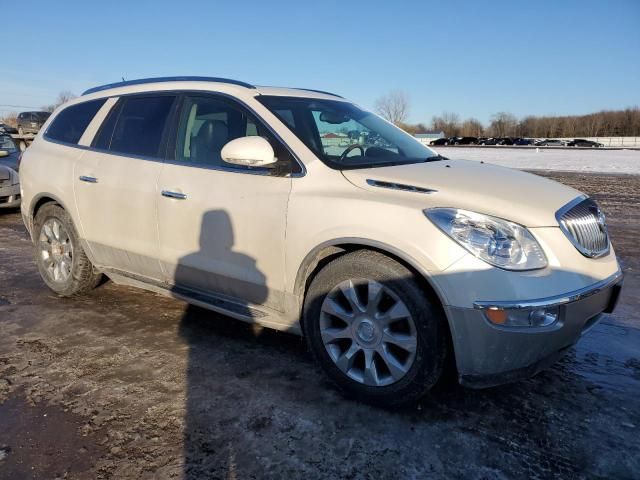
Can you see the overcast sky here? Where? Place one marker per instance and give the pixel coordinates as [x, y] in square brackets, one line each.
[474, 58]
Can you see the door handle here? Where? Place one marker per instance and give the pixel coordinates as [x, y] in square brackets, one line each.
[176, 195]
[84, 178]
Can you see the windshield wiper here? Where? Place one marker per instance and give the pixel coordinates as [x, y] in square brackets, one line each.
[435, 158]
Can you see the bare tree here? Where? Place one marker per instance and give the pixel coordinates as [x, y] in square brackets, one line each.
[472, 127]
[503, 124]
[10, 119]
[63, 97]
[394, 107]
[448, 122]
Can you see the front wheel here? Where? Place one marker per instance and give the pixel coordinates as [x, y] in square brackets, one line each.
[373, 329]
[61, 260]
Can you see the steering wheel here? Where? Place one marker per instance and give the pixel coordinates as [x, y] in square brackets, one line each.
[349, 148]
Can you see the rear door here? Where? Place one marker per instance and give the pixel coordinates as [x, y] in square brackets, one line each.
[116, 185]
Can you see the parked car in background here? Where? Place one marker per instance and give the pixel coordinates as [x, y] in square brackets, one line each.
[523, 141]
[31, 122]
[391, 264]
[9, 180]
[504, 141]
[550, 142]
[4, 128]
[463, 141]
[487, 141]
[581, 142]
[439, 141]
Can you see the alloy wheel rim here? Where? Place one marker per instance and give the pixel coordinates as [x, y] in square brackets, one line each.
[368, 332]
[56, 250]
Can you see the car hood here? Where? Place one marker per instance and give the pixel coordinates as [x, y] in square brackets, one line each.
[514, 195]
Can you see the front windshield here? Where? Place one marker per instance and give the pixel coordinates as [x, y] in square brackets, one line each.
[343, 136]
[6, 143]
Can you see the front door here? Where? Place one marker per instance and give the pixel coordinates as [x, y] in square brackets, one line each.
[222, 228]
[116, 185]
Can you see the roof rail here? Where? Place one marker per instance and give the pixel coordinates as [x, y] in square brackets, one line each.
[142, 81]
[319, 91]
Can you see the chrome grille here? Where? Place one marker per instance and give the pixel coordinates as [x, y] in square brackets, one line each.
[584, 224]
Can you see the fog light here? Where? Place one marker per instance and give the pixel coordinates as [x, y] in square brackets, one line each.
[523, 317]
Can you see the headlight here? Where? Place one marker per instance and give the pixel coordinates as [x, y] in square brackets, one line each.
[496, 241]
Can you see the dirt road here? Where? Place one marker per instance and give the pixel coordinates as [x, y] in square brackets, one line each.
[126, 384]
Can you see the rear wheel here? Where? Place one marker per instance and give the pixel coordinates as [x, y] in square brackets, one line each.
[60, 258]
[373, 330]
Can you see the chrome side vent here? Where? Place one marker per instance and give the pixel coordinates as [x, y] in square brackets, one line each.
[399, 186]
[585, 226]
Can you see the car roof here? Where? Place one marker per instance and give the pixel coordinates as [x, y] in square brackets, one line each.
[201, 83]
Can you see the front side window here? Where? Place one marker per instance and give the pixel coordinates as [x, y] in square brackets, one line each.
[70, 123]
[208, 123]
[343, 136]
[137, 126]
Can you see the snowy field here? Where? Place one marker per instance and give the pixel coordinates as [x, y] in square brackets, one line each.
[601, 161]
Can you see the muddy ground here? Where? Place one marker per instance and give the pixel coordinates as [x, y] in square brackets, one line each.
[127, 384]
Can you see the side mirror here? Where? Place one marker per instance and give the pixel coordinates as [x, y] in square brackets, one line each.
[4, 153]
[249, 152]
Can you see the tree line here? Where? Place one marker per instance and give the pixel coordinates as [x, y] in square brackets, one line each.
[607, 123]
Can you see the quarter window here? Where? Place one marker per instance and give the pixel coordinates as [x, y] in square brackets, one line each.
[70, 123]
[137, 127]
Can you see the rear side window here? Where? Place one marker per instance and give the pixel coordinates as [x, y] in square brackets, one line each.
[70, 124]
[136, 126]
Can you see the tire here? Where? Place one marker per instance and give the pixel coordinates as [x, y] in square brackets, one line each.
[378, 385]
[61, 260]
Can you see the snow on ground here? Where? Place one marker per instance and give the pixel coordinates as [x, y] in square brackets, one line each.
[601, 161]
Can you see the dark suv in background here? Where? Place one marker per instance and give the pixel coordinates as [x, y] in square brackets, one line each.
[463, 141]
[31, 122]
[581, 142]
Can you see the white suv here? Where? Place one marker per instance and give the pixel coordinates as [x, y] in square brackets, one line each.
[300, 211]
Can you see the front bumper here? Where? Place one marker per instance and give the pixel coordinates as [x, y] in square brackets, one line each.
[10, 196]
[488, 354]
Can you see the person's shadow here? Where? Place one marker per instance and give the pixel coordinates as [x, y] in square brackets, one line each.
[218, 361]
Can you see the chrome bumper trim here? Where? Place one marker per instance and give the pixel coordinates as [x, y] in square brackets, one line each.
[551, 301]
